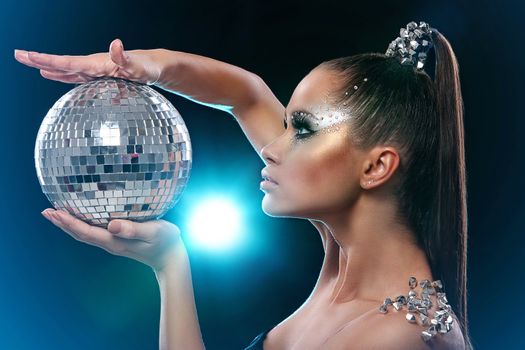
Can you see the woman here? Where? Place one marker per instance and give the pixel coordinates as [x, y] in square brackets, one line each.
[369, 150]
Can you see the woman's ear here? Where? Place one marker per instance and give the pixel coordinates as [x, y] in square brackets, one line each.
[379, 165]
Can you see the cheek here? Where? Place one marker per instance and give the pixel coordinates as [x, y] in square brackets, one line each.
[323, 170]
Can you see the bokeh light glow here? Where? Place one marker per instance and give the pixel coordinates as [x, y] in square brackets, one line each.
[215, 223]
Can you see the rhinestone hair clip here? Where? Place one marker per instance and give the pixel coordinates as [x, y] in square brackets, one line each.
[412, 44]
[442, 320]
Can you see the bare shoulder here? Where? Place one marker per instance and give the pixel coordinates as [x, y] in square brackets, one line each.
[392, 331]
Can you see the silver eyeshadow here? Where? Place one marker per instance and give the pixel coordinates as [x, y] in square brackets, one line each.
[321, 118]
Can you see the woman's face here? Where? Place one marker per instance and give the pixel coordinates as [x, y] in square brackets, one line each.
[313, 162]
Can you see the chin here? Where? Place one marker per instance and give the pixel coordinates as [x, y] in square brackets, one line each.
[270, 208]
[273, 209]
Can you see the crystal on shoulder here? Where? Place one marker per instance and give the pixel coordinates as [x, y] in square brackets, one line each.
[418, 307]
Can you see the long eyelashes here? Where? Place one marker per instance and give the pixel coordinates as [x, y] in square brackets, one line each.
[300, 123]
[299, 134]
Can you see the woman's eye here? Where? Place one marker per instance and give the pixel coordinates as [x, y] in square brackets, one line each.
[302, 134]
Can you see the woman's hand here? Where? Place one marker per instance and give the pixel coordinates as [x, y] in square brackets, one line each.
[153, 242]
[134, 65]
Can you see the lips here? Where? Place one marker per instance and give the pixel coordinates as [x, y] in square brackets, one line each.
[266, 176]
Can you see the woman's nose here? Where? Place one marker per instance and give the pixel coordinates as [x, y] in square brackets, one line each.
[269, 153]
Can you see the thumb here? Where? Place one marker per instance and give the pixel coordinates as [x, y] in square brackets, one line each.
[117, 53]
[115, 226]
[124, 229]
[145, 231]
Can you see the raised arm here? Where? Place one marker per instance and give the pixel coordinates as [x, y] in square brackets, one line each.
[201, 79]
[204, 80]
[225, 87]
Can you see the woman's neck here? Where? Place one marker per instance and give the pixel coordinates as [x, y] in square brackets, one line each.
[368, 256]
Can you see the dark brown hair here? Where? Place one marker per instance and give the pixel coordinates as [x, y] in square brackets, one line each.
[423, 119]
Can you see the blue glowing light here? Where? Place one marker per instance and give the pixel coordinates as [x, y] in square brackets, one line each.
[215, 223]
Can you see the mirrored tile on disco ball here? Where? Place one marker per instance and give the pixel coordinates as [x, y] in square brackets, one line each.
[112, 148]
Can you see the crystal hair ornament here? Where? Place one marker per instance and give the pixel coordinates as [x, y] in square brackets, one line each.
[354, 89]
[442, 320]
[412, 44]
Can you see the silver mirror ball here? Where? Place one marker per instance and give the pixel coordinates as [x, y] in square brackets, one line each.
[112, 148]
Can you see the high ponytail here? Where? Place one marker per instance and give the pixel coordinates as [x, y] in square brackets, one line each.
[451, 194]
[422, 118]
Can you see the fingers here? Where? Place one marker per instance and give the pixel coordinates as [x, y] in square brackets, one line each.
[117, 54]
[64, 77]
[22, 57]
[48, 214]
[64, 63]
[53, 62]
[126, 241]
[145, 231]
[84, 232]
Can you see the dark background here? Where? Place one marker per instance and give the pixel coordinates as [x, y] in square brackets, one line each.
[57, 293]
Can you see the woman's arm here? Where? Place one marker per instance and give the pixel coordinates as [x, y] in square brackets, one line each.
[156, 243]
[201, 79]
[244, 95]
[226, 87]
[179, 325]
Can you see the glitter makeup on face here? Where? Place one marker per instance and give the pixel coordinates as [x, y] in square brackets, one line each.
[322, 119]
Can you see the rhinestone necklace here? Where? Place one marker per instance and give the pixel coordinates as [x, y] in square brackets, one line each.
[419, 306]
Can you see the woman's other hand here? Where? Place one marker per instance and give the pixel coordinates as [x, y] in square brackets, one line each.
[134, 65]
[153, 242]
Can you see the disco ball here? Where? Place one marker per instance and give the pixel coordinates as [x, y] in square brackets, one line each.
[113, 149]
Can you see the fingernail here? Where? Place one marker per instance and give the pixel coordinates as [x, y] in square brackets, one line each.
[44, 214]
